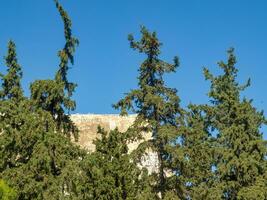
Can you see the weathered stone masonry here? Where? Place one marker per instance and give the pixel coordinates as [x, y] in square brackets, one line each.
[88, 123]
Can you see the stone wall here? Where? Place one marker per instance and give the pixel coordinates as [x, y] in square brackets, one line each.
[88, 123]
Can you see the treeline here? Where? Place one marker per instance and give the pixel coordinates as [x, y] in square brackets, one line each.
[209, 151]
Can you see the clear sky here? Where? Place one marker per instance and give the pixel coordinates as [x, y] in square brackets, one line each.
[198, 31]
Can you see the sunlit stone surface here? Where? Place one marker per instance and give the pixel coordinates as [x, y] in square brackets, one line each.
[88, 123]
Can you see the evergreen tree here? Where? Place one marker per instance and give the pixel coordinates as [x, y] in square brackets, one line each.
[11, 86]
[240, 166]
[55, 95]
[36, 159]
[110, 173]
[157, 106]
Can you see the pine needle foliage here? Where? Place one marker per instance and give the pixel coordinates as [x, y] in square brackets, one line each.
[205, 152]
[196, 141]
[6, 193]
[55, 95]
[157, 106]
[11, 87]
[240, 156]
[36, 159]
[110, 171]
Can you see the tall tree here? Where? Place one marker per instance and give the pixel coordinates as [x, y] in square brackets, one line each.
[11, 86]
[240, 149]
[36, 159]
[157, 106]
[66, 55]
[55, 95]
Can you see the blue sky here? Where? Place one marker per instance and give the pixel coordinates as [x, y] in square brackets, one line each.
[199, 32]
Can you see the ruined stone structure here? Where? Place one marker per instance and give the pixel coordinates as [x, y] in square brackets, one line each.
[88, 123]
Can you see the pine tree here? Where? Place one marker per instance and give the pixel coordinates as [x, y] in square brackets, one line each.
[36, 159]
[156, 105]
[110, 173]
[55, 95]
[11, 86]
[66, 55]
[240, 165]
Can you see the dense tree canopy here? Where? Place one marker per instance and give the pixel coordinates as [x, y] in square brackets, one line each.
[37, 160]
[240, 162]
[156, 105]
[196, 171]
[55, 95]
[6, 193]
[204, 152]
[110, 172]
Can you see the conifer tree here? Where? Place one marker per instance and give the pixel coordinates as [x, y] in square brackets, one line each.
[110, 173]
[11, 86]
[240, 162]
[55, 95]
[157, 106]
[36, 159]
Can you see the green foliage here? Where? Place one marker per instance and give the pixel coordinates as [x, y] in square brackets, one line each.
[55, 95]
[155, 104]
[36, 159]
[239, 147]
[49, 96]
[196, 171]
[110, 171]
[6, 193]
[39, 161]
[66, 54]
[11, 87]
